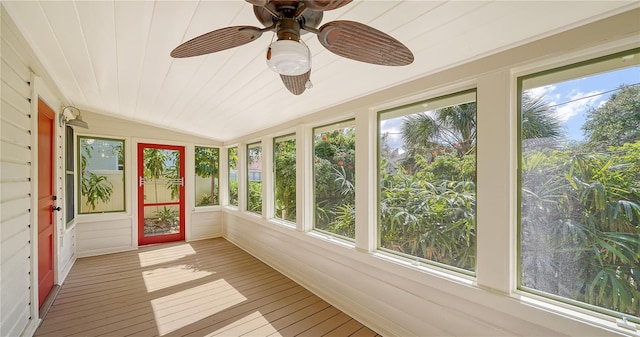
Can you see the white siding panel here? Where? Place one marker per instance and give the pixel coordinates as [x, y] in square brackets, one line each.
[15, 95]
[10, 75]
[14, 134]
[15, 278]
[102, 237]
[15, 151]
[205, 225]
[11, 114]
[15, 176]
[14, 225]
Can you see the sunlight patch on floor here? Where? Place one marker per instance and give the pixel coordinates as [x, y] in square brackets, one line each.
[164, 255]
[191, 305]
[246, 325]
[162, 278]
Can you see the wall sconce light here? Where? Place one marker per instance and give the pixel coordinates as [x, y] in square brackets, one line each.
[73, 120]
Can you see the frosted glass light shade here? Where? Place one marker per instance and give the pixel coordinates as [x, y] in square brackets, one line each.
[289, 58]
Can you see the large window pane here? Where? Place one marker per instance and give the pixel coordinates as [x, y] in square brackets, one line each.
[427, 181]
[207, 171]
[284, 166]
[579, 231]
[101, 175]
[334, 185]
[254, 178]
[233, 176]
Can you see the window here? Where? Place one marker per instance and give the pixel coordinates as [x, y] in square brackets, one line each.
[233, 176]
[207, 173]
[284, 167]
[101, 175]
[333, 177]
[69, 179]
[254, 178]
[579, 193]
[427, 178]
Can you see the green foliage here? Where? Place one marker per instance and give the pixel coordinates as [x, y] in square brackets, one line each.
[334, 168]
[449, 128]
[538, 118]
[172, 173]
[205, 200]
[166, 215]
[233, 178]
[233, 192]
[429, 214]
[616, 122]
[255, 197]
[207, 165]
[285, 179]
[580, 229]
[94, 187]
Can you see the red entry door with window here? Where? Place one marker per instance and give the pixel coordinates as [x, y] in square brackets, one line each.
[160, 193]
[46, 203]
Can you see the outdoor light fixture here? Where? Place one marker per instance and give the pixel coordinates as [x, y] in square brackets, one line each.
[288, 57]
[73, 120]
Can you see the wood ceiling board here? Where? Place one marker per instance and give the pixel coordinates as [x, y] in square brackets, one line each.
[43, 42]
[168, 22]
[97, 21]
[63, 18]
[403, 14]
[132, 22]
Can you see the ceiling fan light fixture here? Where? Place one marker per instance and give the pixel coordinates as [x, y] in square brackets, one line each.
[289, 57]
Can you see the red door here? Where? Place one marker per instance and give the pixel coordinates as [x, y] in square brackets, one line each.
[160, 193]
[46, 118]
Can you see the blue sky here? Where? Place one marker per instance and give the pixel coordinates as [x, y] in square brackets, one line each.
[572, 100]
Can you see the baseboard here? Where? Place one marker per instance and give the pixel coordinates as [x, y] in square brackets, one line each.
[31, 328]
[105, 251]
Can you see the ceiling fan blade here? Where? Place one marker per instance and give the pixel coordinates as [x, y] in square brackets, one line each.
[217, 40]
[325, 5]
[296, 84]
[363, 43]
[260, 3]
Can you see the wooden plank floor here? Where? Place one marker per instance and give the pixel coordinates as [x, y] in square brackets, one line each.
[202, 288]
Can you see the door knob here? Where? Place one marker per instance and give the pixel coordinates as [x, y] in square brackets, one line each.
[54, 208]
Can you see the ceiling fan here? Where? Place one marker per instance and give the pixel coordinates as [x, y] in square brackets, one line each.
[289, 55]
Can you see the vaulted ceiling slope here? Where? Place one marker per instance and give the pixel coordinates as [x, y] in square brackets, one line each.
[112, 57]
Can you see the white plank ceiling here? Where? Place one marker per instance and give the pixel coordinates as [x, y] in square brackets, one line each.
[112, 57]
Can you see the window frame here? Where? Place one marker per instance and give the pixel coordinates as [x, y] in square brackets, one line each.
[229, 180]
[405, 109]
[195, 149]
[567, 70]
[79, 172]
[347, 122]
[249, 147]
[275, 139]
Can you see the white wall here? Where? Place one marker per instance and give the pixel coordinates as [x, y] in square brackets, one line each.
[395, 296]
[23, 81]
[114, 232]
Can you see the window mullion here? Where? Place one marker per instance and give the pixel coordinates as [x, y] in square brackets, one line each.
[496, 235]
[365, 181]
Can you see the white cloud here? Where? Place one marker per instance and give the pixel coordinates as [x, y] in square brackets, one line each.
[545, 91]
[578, 103]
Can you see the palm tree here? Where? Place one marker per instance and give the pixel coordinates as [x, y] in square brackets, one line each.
[538, 118]
[155, 163]
[453, 127]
